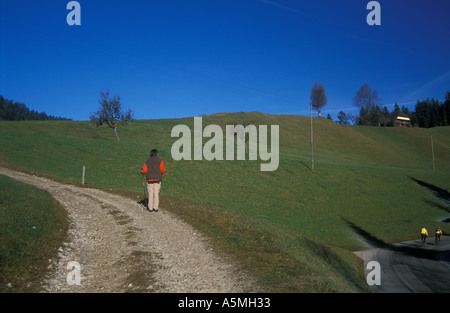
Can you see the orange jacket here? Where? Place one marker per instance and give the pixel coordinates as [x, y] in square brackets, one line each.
[145, 170]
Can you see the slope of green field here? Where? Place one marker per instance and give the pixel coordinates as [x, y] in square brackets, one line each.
[294, 228]
[32, 226]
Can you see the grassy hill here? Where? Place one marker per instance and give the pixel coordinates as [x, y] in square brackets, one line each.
[30, 234]
[293, 228]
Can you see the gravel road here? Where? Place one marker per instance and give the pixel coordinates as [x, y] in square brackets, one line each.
[120, 247]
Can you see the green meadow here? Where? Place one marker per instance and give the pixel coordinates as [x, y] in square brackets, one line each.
[32, 226]
[295, 229]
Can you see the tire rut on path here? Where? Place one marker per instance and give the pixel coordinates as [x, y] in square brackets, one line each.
[120, 247]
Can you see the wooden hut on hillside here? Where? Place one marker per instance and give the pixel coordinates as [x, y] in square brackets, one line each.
[402, 120]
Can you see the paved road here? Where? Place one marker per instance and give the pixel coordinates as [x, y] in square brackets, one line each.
[409, 268]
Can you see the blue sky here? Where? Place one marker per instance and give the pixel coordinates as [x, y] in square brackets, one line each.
[179, 58]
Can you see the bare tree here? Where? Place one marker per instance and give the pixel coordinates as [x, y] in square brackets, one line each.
[365, 97]
[366, 100]
[110, 113]
[318, 97]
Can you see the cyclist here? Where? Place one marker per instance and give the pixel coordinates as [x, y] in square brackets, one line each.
[438, 234]
[423, 235]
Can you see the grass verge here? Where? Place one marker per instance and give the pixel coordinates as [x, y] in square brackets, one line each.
[32, 227]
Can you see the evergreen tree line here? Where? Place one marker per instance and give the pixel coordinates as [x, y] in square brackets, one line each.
[381, 117]
[428, 113]
[15, 111]
[432, 113]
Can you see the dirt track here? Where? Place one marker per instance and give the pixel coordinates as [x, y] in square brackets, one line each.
[120, 247]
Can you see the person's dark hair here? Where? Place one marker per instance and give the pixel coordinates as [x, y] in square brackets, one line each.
[154, 152]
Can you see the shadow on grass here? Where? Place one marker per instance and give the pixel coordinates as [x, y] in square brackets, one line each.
[307, 166]
[439, 206]
[439, 193]
[337, 263]
[367, 237]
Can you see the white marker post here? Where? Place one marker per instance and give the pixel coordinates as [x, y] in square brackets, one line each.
[82, 176]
